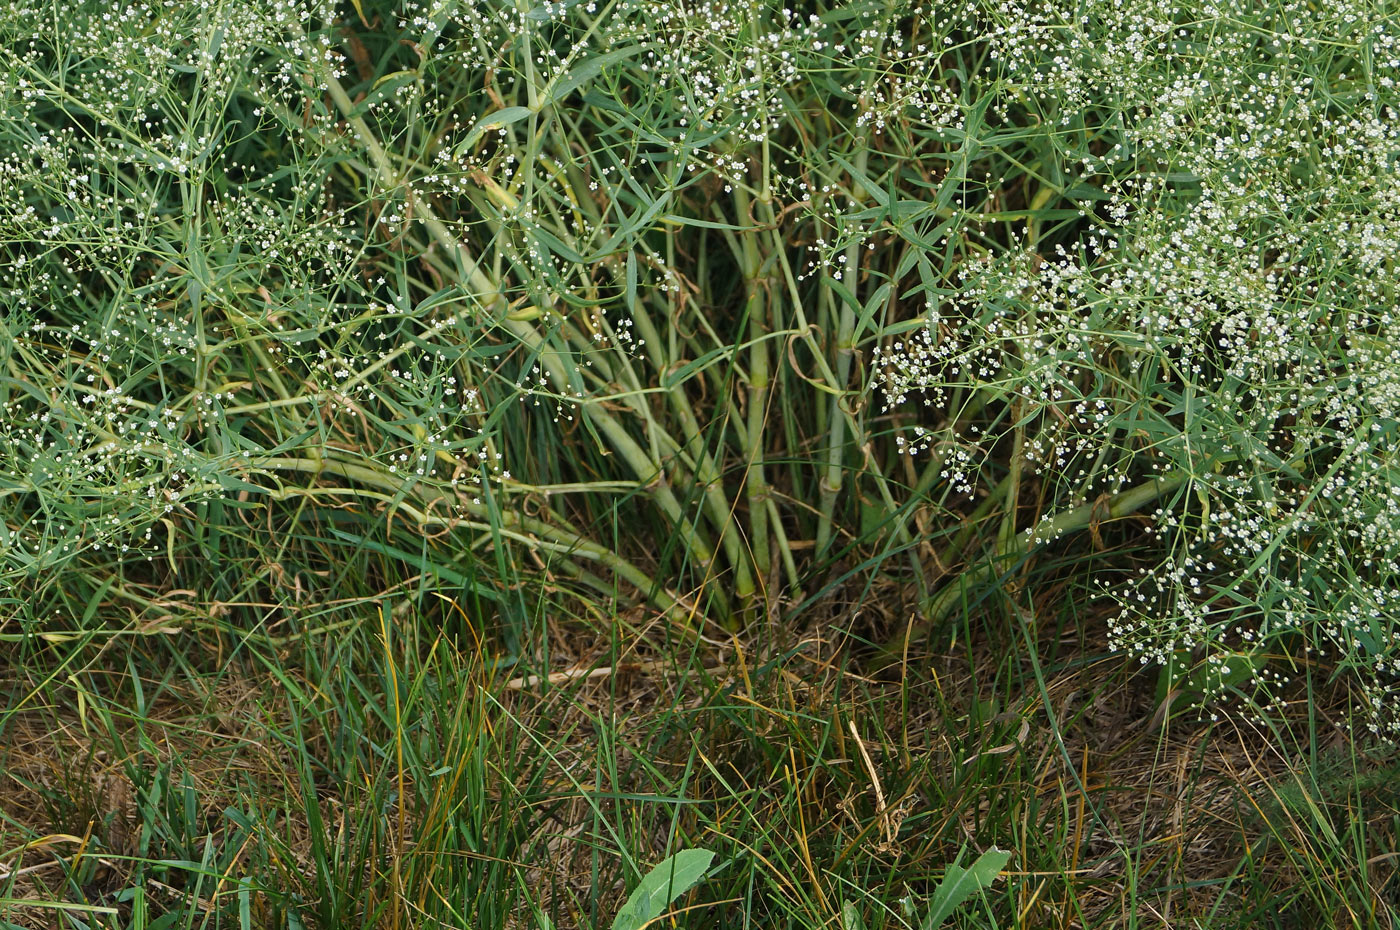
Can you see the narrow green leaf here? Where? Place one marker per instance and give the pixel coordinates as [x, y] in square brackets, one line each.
[587, 70]
[383, 89]
[547, 11]
[871, 188]
[559, 247]
[675, 377]
[486, 124]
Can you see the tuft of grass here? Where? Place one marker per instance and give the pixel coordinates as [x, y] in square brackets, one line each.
[373, 780]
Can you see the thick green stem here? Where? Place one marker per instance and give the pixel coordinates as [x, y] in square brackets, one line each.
[784, 548]
[706, 470]
[830, 484]
[1006, 536]
[760, 375]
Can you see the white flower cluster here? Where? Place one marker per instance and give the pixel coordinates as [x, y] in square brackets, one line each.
[1226, 311]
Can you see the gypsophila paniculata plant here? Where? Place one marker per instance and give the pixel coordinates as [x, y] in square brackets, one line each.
[717, 302]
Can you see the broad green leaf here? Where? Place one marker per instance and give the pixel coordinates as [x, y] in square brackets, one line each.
[670, 879]
[959, 884]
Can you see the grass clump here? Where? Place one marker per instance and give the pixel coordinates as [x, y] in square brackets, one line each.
[455, 456]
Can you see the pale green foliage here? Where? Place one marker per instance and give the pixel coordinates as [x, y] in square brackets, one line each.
[1229, 316]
